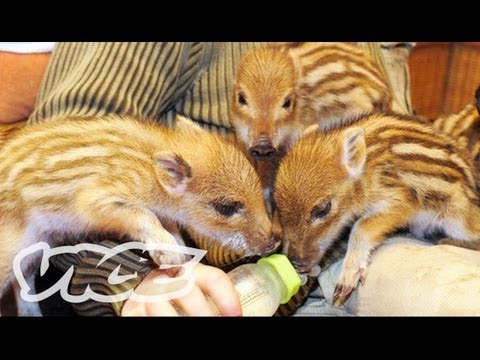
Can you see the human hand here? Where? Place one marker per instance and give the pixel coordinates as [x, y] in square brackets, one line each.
[209, 281]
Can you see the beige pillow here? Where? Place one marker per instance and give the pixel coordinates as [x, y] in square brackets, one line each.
[409, 277]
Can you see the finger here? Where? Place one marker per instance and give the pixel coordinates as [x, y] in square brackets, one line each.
[194, 303]
[161, 308]
[145, 288]
[215, 283]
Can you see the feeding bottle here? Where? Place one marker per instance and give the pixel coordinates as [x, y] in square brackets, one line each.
[263, 286]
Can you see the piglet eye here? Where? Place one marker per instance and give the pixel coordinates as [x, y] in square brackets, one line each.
[242, 100]
[287, 103]
[321, 210]
[227, 208]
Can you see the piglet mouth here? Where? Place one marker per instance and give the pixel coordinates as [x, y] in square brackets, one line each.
[306, 269]
[271, 248]
[300, 267]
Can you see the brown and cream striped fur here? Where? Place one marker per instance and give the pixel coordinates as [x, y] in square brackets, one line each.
[7, 131]
[381, 174]
[464, 127]
[119, 175]
[282, 89]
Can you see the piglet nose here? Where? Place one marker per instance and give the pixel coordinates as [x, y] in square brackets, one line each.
[262, 150]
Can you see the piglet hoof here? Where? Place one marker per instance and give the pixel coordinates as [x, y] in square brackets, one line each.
[347, 284]
[174, 271]
[170, 259]
[341, 295]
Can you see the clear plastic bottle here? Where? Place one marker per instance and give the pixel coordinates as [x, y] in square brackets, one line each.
[263, 286]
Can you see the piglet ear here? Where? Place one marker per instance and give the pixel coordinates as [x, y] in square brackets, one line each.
[354, 151]
[174, 172]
